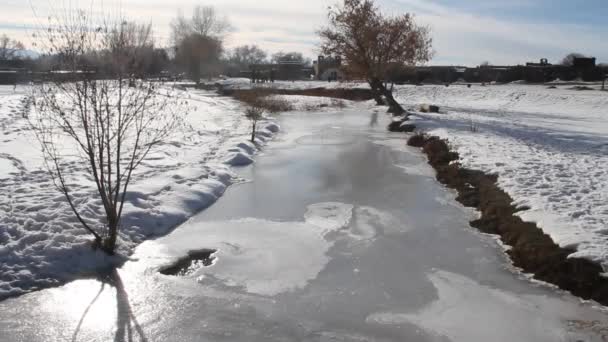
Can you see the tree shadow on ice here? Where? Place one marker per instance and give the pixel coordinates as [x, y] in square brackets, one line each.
[127, 326]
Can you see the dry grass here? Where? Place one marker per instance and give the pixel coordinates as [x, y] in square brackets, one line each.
[261, 98]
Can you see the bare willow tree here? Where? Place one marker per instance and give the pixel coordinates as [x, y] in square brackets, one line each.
[104, 107]
[370, 43]
[199, 56]
[205, 21]
[9, 48]
[198, 41]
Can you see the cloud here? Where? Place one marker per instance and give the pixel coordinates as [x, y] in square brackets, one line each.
[464, 31]
[467, 38]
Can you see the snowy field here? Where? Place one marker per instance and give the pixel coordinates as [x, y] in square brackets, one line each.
[42, 244]
[549, 146]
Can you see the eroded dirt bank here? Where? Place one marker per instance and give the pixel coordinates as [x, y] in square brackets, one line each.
[531, 249]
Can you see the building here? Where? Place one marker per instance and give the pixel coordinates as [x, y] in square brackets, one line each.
[283, 70]
[583, 68]
[327, 69]
[583, 62]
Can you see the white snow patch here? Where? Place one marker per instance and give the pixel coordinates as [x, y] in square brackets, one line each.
[42, 242]
[548, 146]
[263, 257]
[330, 215]
[238, 159]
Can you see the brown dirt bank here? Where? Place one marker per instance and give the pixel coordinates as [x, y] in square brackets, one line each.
[532, 250]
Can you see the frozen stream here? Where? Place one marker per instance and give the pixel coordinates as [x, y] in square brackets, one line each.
[342, 234]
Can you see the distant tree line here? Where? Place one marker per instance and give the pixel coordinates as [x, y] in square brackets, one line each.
[196, 51]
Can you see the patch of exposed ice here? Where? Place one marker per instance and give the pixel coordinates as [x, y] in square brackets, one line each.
[468, 311]
[370, 222]
[330, 215]
[262, 257]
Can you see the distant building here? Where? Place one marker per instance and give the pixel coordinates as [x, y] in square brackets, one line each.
[543, 62]
[283, 70]
[584, 68]
[327, 69]
[583, 62]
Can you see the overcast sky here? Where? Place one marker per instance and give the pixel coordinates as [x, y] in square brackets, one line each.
[465, 32]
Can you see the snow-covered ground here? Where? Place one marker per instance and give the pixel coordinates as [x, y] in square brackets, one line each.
[549, 146]
[42, 244]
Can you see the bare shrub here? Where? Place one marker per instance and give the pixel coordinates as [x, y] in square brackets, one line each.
[113, 118]
[262, 98]
[254, 113]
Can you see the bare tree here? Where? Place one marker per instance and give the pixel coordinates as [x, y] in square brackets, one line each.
[290, 57]
[113, 117]
[369, 43]
[247, 54]
[9, 48]
[569, 59]
[205, 21]
[198, 41]
[199, 56]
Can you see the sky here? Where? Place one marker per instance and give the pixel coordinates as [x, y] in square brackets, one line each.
[465, 32]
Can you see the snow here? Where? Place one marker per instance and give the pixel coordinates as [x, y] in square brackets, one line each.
[42, 242]
[549, 147]
[238, 159]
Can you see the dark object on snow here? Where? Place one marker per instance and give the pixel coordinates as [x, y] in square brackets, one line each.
[581, 88]
[191, 263]
[468, 86]
[401, 127]
[408, 128]
[417, 140]
[429, 109]
[395, 126]
[552, 87]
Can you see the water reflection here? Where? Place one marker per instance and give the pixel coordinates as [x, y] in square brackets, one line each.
[127, 325]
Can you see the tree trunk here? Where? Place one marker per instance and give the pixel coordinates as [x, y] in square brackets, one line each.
[376, 93]
[253, 132]
[109, 244]
[378, 98]
[393, 106]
